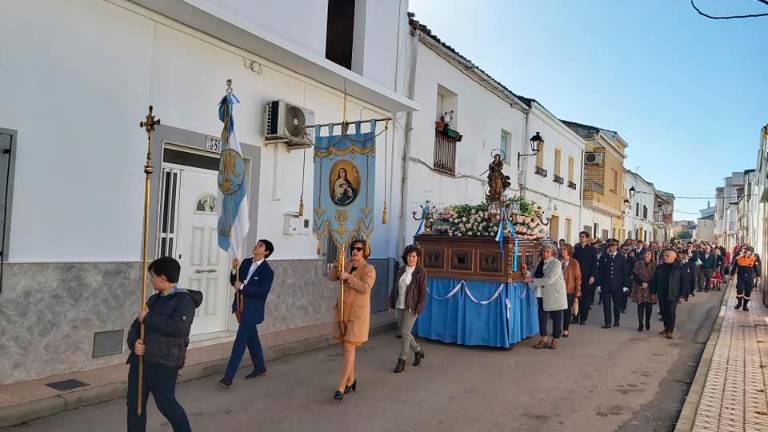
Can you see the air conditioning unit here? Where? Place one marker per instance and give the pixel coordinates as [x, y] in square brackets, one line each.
[594, 158]
[285, 122]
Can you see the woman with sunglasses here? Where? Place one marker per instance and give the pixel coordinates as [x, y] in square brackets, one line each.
[351, 329]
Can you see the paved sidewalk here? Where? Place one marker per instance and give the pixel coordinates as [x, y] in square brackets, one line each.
[734, 396]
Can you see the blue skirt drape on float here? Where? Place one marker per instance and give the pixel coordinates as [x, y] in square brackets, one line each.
[492, 314]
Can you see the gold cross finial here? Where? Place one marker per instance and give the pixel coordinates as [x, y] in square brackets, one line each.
[149, 122]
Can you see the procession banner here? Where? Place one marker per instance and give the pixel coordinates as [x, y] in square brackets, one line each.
[344, 179]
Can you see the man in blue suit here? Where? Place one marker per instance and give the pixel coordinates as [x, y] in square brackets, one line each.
[252, 282]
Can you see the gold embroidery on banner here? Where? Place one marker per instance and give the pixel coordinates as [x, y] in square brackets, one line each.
[341, 218]
[333, 151]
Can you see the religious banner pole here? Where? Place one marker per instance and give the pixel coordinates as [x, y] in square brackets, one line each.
[148, 125]
[340, 268]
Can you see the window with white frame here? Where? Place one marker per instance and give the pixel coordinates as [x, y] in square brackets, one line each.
[505, 145]
[447, 106]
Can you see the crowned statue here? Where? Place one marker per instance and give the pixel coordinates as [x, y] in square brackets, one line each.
[497, 181]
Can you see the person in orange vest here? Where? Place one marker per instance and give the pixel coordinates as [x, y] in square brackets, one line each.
[747, 271]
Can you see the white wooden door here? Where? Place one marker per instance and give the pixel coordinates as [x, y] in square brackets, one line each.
[204, 265]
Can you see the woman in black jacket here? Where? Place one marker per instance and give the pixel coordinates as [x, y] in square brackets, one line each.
[670, 285]
[407, 298]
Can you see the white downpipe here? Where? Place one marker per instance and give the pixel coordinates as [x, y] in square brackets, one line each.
[407, 144]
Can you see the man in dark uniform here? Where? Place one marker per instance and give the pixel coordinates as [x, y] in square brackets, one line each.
[586, 255]
[747, 270]
[613, 281]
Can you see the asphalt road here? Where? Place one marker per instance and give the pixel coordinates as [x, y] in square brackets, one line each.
[597, 380]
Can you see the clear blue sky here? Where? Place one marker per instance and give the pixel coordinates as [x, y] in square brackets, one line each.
[687, 93]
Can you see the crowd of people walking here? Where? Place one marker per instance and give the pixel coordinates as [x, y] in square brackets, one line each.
[645, 273]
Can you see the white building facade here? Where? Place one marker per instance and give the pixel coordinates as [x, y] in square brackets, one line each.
[556, 187]
[490, 118]
[72, 249]
[639, 200]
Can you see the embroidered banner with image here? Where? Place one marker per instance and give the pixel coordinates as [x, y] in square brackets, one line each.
[344, 179]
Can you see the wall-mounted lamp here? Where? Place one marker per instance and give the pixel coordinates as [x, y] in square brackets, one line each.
[536, 142]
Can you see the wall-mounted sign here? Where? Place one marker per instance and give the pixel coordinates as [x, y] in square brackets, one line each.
[213, 144]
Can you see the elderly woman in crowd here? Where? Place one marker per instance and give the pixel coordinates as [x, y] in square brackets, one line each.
[551, 297]
[642, 277]
[572, 276]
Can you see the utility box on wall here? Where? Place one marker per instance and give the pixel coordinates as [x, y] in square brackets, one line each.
[293, 224]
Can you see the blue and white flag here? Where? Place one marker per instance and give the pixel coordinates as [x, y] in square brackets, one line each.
[233, 191]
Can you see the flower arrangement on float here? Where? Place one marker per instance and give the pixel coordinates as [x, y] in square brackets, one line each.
[479, 220]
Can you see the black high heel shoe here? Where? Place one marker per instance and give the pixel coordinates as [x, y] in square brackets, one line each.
[338, 395]
[352, 387]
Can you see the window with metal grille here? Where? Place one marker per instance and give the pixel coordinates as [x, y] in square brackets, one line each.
[169, 206]
[445, 153]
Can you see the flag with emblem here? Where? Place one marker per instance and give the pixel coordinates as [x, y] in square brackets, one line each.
[233, 192]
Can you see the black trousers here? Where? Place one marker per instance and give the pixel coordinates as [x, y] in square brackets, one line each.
[159, 380]
[557, 320]
[607, 298]
[587, 297]
[668, 310]
[567, 315]
[744, 286]
[644, 313]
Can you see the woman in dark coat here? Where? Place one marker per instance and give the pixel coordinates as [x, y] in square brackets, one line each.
[642, 277]
[407, 298]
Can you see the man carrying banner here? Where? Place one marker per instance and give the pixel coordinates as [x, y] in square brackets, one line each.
[253, 281]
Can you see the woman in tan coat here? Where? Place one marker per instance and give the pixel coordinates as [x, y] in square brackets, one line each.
[352, 328]
[572, 276]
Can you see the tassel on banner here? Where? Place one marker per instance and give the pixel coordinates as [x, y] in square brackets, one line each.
[301, 207]
[318, 248]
